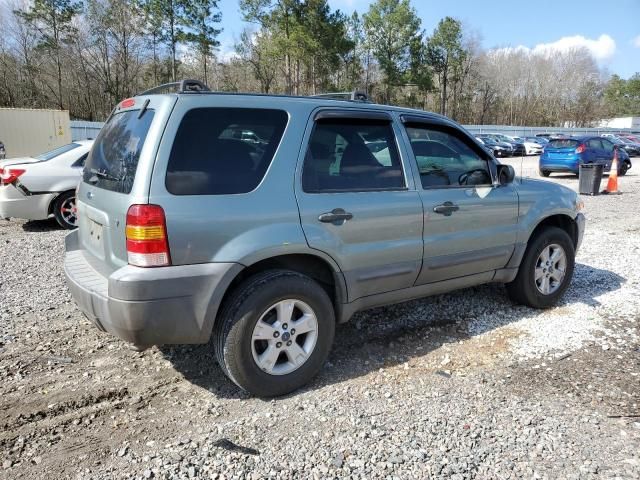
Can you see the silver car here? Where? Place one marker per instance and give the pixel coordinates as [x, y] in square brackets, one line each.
[190, 230]
[36, 188]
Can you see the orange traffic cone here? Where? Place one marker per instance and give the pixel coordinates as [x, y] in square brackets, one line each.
[612, 184]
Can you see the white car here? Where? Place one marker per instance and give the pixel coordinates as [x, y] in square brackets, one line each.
[532, 148]
[36, 188]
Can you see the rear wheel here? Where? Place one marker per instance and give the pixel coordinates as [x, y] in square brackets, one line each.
[546, 269]
[274, 332]
[544, 173]
[64, 210]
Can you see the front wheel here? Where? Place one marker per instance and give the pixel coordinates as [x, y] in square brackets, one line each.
[546, 269]
[544, 173]
[64, 210]
[274, 332]
[624, 168]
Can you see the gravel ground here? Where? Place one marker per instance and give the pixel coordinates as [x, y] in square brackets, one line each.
[463, 385]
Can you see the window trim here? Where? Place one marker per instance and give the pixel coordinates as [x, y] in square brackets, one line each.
[352, 114]
[357, 115]
[439, 125]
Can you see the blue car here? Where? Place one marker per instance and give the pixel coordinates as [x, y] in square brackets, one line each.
[566, 154]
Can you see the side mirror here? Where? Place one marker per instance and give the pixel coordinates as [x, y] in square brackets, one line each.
[506, 174]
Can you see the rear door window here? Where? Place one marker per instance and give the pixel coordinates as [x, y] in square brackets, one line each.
[352, 155]
[113, 160]
[220, 151]
[594, 144]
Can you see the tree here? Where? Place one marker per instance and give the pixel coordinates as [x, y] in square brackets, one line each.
[53, 21]
[392, 27]
[622, 97]
[445, 54]
[259, 52]
[199, 19]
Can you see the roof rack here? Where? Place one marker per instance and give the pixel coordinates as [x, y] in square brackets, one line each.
[183, 86]
[355, 96]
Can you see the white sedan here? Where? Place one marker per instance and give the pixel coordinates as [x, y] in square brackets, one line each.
[36, 188]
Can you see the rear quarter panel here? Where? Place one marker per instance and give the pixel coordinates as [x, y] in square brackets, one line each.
[242, 228]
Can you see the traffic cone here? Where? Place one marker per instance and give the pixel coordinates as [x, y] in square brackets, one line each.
[612, 184]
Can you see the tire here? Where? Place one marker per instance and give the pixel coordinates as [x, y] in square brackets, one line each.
[64, 210]
[525, 289]
[255, 301]
[624, 168]
[545, 173]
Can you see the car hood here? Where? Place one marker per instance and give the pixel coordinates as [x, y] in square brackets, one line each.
[18, 161]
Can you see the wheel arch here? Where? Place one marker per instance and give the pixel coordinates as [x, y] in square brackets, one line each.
[316, 266]
[559, 220]
[55, 198]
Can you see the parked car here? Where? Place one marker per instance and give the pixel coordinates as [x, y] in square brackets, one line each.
[632, 137]
[532, 147]
[566, 154]
[36, 188]
[496, 149]
[3, 152]
[507, 147]
[184, 235]
[549, 136]
[631, 147]
[542, 141]
[517, 147]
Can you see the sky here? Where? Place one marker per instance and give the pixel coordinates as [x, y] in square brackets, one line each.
[610, 29]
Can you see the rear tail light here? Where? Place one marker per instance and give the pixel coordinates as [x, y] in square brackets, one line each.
[10, 175]
[146, 232]
[581, 148]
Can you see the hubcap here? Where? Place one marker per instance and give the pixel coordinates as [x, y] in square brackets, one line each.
[551, 268]
[284, 337]
[68, 211]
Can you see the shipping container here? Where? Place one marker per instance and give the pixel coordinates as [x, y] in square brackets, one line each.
[28, 132]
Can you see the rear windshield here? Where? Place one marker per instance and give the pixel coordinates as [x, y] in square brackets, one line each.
[221, 151]
[113, 160]
[43, 157]
[563, 143]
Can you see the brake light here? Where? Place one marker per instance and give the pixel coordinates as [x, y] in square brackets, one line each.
[10, 175]
[581, 148]
[146, 232]
[129, 102]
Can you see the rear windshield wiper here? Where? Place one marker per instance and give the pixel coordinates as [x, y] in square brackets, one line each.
[102, 174]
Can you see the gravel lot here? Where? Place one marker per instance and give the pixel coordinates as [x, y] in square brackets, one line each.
[464, 385]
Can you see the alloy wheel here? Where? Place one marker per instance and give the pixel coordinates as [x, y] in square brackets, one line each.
[284, 337]
[551, 268]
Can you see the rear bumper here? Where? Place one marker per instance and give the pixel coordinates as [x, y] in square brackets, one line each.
[149, 306]
[15, 204]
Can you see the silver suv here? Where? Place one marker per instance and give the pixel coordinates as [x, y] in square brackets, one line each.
[264, 220]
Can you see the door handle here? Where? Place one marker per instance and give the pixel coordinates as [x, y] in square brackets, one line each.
[337, 216]
[446, 209]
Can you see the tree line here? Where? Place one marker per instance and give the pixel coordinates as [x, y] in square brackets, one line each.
[86, 56]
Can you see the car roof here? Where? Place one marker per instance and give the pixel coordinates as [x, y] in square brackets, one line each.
[315, 101]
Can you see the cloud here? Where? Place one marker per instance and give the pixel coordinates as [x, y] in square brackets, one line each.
[602, 48]
[636, 42]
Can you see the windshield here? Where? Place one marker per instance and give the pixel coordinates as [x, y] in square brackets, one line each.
[43, 157]
[113, 160]
[615, 140]
[563, 143]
